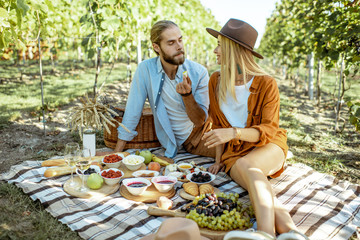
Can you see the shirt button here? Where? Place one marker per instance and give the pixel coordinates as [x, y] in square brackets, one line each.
[155, 107]
[159, 93]
[162, 79]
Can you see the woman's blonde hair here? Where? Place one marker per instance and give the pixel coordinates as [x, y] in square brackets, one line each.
[233, 56]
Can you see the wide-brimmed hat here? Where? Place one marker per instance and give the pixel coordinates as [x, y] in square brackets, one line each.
[239, 32]
[177, 229]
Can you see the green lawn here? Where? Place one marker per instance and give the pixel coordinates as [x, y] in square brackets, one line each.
[68, 82]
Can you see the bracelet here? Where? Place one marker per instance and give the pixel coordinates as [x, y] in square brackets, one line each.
[186, 94]
[237, 133]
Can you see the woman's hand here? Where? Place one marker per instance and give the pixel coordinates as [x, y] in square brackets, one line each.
[219, 136]
[216, 167]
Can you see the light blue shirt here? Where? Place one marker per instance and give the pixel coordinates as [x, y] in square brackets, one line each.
[147, 83]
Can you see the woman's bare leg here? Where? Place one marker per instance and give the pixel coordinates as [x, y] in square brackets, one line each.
[283, 220]
[251, 172]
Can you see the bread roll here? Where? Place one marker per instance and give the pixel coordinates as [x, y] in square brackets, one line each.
[206, 188]
[191, 188]
[57, 171]
[164, 203]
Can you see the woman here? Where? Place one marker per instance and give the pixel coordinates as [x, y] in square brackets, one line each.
[250, 146]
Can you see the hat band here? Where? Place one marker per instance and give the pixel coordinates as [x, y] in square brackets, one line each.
[236, 40]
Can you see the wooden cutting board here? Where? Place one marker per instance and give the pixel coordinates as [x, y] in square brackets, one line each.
[188, 196]
[61, 161]
[149, 196]
[99, 193]
[212, 234]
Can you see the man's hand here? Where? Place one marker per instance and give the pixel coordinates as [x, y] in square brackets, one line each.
[120, 144]
[185, 86]
[218, 136]
[216, 167]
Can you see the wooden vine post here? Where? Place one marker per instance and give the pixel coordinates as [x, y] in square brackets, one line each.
[42, 86]
[340, 95]
[41, 77]
[311, 76]
[98, 60]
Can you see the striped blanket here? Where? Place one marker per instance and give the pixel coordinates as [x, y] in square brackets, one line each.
[321, 206]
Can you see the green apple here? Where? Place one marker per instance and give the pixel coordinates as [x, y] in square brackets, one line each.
[147, 155]
[95, 181]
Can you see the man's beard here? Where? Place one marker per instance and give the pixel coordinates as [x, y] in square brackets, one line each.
[171, 59]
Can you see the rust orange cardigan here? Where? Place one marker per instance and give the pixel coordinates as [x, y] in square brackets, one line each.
[263, 115]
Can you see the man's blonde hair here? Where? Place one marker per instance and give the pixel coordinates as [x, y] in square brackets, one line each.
[157, 29]
[233, 54]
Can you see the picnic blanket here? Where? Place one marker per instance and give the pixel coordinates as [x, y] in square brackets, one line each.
[321, 206]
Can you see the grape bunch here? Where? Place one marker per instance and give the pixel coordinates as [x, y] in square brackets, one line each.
[201, 177]
[220, 212]
[89, 171]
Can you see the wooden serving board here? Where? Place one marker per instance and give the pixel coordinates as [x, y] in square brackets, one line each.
[212, 234]
[61, 161]
[149, 196]
[188, 196]
[99, 193]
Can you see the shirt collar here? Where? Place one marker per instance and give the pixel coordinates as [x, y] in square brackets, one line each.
[179, 72]
[158, 64]
[255, 84]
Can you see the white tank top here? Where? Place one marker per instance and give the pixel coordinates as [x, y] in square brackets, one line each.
[236, 112]
[181, 124]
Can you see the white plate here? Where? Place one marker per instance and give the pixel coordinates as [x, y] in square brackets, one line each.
[140, 172]
[203, 172]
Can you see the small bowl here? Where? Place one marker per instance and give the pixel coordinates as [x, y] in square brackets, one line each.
[112, 181]
[133, 189]
[145, 173]
[115, 164]
[81, 176]
[133, 162]
[185, 167]
[164, 187]
[190, 175]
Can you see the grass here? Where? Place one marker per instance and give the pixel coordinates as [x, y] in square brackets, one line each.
[68, 83]
[34, 223]
[330, 83]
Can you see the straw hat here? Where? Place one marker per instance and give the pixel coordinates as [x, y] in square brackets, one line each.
[239, 32]
[177, 229]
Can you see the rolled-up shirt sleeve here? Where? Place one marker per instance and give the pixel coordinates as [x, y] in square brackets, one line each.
[201, 93]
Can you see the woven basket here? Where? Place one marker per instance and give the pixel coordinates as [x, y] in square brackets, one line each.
[146, 137]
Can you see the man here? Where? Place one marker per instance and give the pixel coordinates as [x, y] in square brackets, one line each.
[179, 103]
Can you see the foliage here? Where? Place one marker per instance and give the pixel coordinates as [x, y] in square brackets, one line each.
[354, 111]
[327, 27]
[115, 26]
